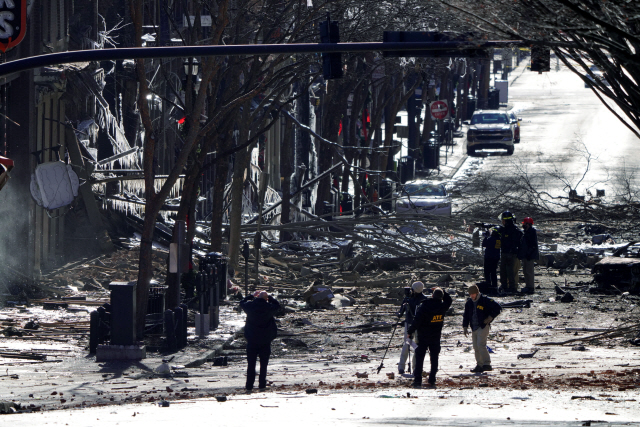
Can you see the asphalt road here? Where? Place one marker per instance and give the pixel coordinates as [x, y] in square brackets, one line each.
[563, 125]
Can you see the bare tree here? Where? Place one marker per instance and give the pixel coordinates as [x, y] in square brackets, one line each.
[155, 199]
[582, 33]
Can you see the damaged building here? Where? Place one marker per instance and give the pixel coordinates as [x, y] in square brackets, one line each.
[84, 115]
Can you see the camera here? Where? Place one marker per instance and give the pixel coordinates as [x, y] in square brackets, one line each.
[407, 292]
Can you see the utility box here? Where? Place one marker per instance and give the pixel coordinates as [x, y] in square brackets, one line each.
[471, 106]
[503, 87]
[346, 203]
[123, 313]
[431, 155]
[494, 99]
[387, 188]
[407, 168]
[213, 286]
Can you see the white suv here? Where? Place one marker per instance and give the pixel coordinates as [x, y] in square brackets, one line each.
[490, 129]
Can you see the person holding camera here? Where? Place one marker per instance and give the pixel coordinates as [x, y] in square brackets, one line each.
[428, 323]
[413, 298]
[259, 330]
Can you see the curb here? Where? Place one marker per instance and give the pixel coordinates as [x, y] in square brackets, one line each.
[458, 165]
[202, 359]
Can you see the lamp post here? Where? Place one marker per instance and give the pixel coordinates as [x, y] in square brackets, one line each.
[245, 254]
[191, 67]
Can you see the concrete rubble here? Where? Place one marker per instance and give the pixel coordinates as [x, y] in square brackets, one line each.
[337, 320]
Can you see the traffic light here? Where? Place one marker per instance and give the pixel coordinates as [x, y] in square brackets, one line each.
[331, 62]
[433, 36]
[540, 59]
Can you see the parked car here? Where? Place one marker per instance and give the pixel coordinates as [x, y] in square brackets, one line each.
[490, 129]
[426, 197]
[516, 129]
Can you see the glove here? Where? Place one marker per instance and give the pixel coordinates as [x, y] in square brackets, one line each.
[466, 332]
[488, 320]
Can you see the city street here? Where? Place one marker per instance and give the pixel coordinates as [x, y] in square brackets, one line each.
[562, 121]
[188, 186]
[404, 407]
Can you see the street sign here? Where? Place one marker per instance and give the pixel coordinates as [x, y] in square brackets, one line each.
[13, 23]
[439, 110]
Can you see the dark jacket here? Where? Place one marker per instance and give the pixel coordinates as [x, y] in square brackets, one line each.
[260, 327]
[493, 244]
[529, 245]
[430, 318]
[410, 306]
[510, 237]
[485, 307]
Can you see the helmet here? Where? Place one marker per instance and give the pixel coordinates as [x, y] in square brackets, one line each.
[417, 287]
[528, 220]
[506, 215]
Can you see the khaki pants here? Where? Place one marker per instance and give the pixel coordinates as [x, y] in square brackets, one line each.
[508, 272]
[479, 339]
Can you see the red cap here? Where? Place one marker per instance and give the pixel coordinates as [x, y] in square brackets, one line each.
[528, 220]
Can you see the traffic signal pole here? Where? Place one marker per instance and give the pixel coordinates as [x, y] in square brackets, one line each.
[227, 50]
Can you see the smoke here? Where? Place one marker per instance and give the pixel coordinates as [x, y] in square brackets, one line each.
[14, 236]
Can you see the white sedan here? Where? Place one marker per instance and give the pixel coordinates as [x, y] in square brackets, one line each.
[424, 197]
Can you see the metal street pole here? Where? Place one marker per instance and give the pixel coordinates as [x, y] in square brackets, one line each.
[258, 49]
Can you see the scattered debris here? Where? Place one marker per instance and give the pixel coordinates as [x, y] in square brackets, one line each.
[528, 355]
[567, 297]
[618, 272]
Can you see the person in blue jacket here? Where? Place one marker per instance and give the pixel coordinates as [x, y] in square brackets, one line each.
[260, 329]
[491, 243]
[479, 312]
[428, 323]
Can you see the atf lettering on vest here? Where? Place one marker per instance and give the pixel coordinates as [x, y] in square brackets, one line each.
[480, 307]
[437, 318]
